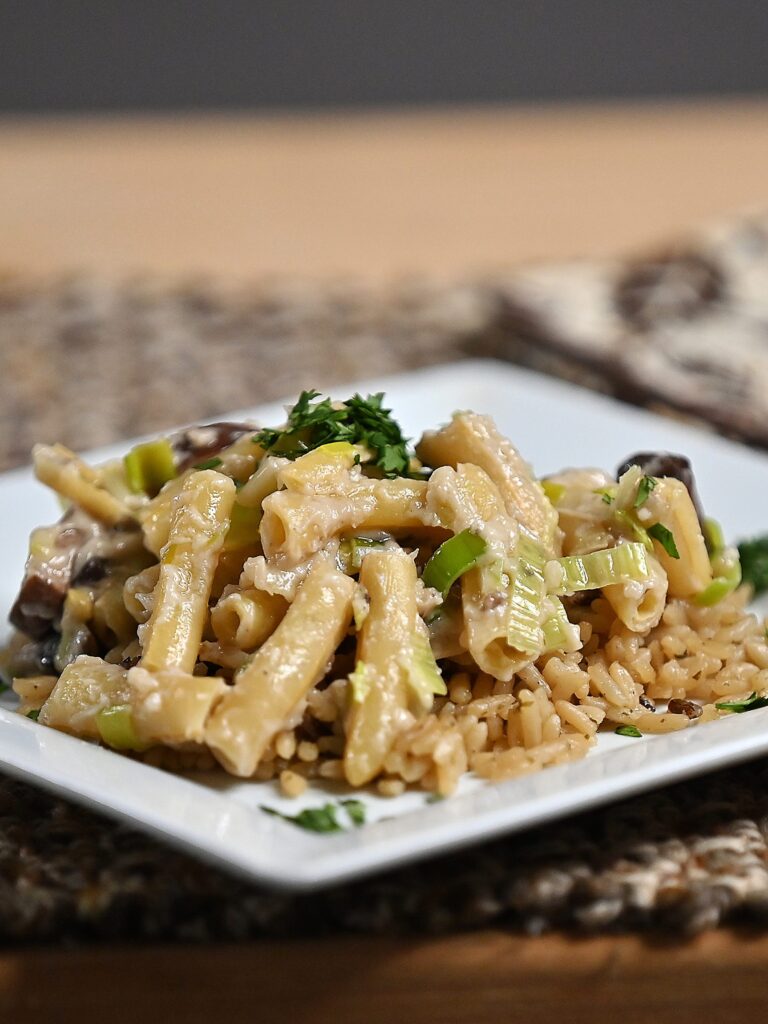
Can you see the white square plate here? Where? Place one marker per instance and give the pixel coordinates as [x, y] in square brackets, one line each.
[219, 818]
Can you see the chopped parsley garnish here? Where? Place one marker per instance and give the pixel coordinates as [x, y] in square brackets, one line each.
[209, 463]
[750, 703]
[644, 489]
[435, 798]
[356, 811]
[323, 819]
[753, 555]
[314, 819]
[359, 420]
[34, 714]
[665, 537]
[628, 730]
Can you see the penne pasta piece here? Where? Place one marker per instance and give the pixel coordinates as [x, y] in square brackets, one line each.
[669, 503]
[471, 438]
[275, 683]
[322, 471]
[138, 591]
[261, 483]
[245, 618]
[640, 604]
[84, 688]
[295, 525]
[171, 706]
[502, 598]
[171, 638]
[70, 477]
[155, 517]
[385, 643]
[165, 707]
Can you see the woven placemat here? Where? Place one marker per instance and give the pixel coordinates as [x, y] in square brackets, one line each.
[86, 363]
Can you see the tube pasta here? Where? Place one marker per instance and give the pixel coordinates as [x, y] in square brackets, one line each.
[385, 641]
[279, 676]
[70, 477]
[475, 439]
[245, 618]
[155, 517]
[173, 633]
[84, 688]
[640, 604]
[295, 525]
[466, 498]
[669, 503]
[138, 591]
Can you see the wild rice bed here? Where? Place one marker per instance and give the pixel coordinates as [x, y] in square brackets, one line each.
[667, 680]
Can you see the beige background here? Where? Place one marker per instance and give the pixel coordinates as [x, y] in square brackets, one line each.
[376, 194]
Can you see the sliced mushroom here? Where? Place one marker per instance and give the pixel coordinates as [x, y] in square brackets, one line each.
[196, 444]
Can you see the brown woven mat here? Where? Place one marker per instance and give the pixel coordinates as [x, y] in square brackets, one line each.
[87, 363]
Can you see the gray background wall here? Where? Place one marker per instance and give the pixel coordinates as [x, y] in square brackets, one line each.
[76, 55]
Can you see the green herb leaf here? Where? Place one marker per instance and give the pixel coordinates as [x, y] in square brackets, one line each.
[356, 811]
[148, 466]
[753, 555]
[209, 463]
[359, 420]
[628, 730]
[750, 703]
[665, 537]
[34, 715]
[314, 819]
[644, 489]
[435, 798]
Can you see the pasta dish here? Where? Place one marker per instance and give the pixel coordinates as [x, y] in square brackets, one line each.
[322, 601]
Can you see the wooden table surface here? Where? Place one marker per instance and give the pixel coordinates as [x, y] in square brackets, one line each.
[378, 195]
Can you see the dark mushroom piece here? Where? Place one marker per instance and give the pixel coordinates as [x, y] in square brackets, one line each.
[198, 444]
[37, 609]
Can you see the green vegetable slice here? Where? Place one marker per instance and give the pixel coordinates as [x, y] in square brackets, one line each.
[623, 564]
[720, 586]
[553, 491]
[750, 703]
[210, 463]
[452, 559]
[358, 682]
[149, 466]
[34, 714]
[628, 730]
[557, 628]
[526, 598]
[243, 527]
[353, 550]
[665, 537]
[713, 535]
[423, 675]
[116, 728]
